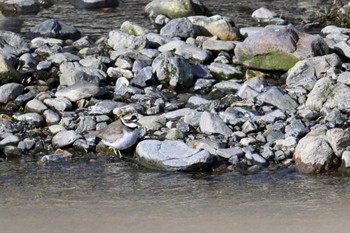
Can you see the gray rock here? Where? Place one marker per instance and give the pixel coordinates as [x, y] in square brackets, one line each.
[10, 91]
[26, 144]
[24, 6]
[44, 65]
[249, 127]
[255, 158]
[248, 31]
[186, 51]
[92, 62]
[201, 72]
[155, 40]
[105, 107]
[21, 99]
[267, 16]
[278, 48]
[79, 90]
[152, 123]
[54, 28]
[331, 29]
[12, 152]
[143, 78]
[42, 41]
[31, 119]
[180, 27]
[296, 128]
[263, 14]
[342, 48]
[28, 62]
[133, 29]
[94, 4]
[118, 40]
[174, 134]
[213, 124]
[9, 140]
[313, 154]
[314, 67]
[339, 140]
[171, 155]
[64, 138]
[326, 93]
[197, 102]
[51, 117]
[13, 44]
[225, 71]
[278, 98]
[86, 124]
[72, 72]
[35, 106]
[203, 84]
[59, 104]
[173, 71]
[54, 129]
[218, 45]
[175, 9]
[59, 58]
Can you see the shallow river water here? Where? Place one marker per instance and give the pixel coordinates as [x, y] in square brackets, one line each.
[121, 197]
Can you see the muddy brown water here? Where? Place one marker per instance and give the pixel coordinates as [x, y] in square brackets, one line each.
[119, 197]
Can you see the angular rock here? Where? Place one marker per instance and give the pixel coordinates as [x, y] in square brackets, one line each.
[278, 48]
[59, 104]
[171, 155]
[31, 119]
[315, 67]
[213, 124]
[225, 71]
[278, 98]
[118, 40]
[105, 107]
[216, 25]
[173, 71]
[79, 90]
[8, 73]
[313, 154]
[175, 9]
[55, 29]
[143, 78]
[186, 51]
[180, 27]
[10, 91]
[339, 140]
[72, 72]
[59, 58]
[64, 138]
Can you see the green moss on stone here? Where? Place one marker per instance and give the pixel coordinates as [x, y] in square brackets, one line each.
[275, 60]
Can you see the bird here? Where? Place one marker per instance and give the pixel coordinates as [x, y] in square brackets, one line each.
[120, 134]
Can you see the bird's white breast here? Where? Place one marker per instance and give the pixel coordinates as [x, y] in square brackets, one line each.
[127, 140]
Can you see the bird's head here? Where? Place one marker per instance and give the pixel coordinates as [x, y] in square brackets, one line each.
[130, 121]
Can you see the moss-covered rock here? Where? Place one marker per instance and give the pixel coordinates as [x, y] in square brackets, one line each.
[278, 48]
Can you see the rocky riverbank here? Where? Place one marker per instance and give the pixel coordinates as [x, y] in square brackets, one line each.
[209, 95]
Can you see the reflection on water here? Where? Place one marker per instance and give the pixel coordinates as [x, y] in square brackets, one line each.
[134, 200]
[97, 23]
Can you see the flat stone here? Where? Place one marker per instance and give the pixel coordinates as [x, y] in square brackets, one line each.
[170, 155]
[78, 91]
[278, 98]
[64, 138]
[225, 71]
[31, 119]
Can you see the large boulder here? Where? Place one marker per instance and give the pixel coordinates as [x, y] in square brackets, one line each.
[313, 154]
[10, 91]
[216, 25]
[171, 155]
[279, 48]
[55, 29]
[79, 90]
[175, 8]
[24, 6]
[93, 4]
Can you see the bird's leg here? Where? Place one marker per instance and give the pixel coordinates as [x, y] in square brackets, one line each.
[120, 154]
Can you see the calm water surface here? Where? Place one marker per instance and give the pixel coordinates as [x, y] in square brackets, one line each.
[121, 197]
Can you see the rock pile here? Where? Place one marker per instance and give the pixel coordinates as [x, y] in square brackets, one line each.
[205, 98]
